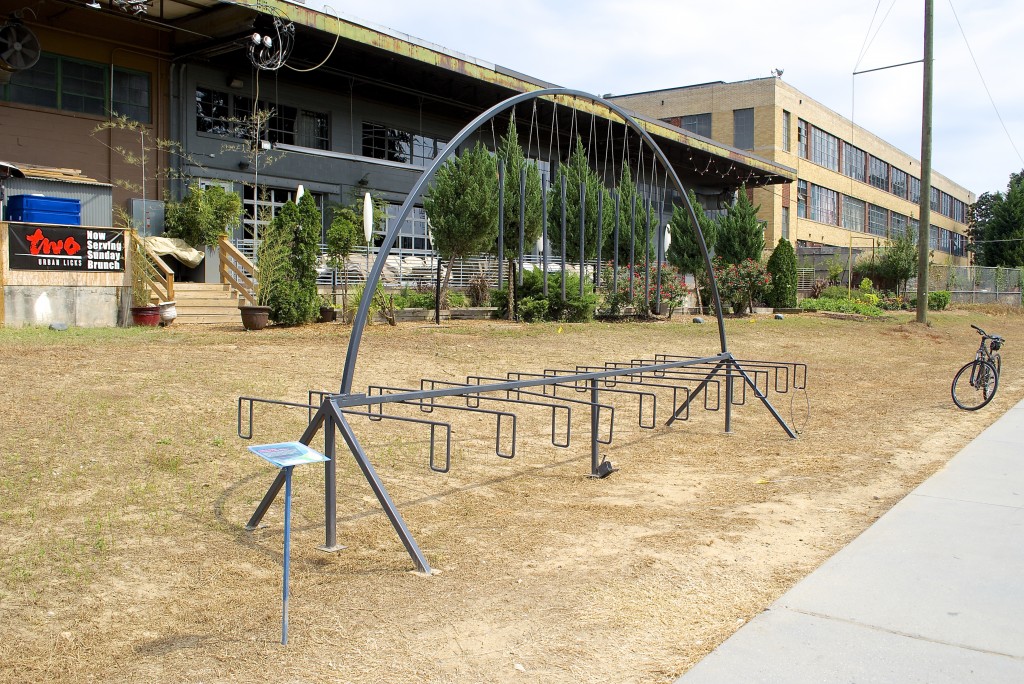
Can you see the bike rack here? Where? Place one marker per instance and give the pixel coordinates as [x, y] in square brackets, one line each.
[685, 377]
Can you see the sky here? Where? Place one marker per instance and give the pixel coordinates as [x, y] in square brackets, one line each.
[621, 47]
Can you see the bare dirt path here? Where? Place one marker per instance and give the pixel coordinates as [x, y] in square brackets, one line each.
[125, 491]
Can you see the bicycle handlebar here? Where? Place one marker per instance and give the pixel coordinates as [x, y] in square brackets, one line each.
[985, 334]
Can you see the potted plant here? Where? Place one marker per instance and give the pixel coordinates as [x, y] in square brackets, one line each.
[271, 257]
[328, 314]
[143, 311]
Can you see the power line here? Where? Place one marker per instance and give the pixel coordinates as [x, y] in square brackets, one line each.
[983, 83]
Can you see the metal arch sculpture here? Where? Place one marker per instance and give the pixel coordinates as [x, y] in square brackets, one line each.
[373, 278]
[662, 373]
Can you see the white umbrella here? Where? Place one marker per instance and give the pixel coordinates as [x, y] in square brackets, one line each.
[367, 217]
[668, 236]
[367, 227]
[299, 193]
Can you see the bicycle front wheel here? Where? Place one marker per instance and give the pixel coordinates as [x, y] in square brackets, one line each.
[974, 385]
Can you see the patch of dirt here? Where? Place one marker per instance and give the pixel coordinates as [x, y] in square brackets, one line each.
[126, 492]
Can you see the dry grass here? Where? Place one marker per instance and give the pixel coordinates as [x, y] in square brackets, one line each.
[125, 491]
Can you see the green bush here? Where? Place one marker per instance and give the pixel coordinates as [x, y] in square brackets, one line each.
[841, 305]
[835, 292]
[573, 310]
[782, 267]
[938, 300]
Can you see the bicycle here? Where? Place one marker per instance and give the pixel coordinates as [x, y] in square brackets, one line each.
[976, 383]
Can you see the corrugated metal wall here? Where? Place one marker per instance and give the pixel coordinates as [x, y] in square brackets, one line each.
[97, 205]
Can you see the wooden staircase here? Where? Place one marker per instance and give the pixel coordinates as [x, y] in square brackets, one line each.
[206, 303]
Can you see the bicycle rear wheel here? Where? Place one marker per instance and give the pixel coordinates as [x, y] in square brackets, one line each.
[974, 385]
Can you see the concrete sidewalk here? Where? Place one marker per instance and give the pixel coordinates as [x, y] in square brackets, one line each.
[932, 592]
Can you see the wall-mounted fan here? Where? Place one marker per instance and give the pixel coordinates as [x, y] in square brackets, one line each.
[19, 49]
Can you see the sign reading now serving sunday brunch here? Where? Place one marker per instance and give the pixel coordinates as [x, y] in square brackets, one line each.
[64, 248]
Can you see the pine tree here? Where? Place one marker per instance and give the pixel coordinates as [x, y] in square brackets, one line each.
[684, 251]
[782, 267]
[740, 234]
[462, 204]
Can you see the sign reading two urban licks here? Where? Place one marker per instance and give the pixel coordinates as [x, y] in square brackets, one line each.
[64, 248]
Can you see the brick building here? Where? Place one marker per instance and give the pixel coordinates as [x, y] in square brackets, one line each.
[852, 187]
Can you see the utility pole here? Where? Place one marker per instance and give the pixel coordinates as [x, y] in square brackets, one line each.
[924, 229]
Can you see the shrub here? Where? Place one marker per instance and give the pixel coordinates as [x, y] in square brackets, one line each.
[479, 290]
[533, 310]
[573, 310]
[782, 267]
[834, 292]
[740, 284]
[203, 216]
[938, 300]
[843, 305]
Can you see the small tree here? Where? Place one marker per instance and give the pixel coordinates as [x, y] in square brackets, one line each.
[295, 300]
[684, 251]
[577, 172]
[630, 204]
[898, 262]
[203, 216]
[782, 267]
[740, 234]
[462, 204]
[344, 233]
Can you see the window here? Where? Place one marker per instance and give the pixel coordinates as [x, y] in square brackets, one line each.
[131, 95]
[413, 236]
[824, 205]
[945, 240]
[79, 86]
[801, 138]
[958, 245]
[853, 214]
[36, 86]
[913, 228]
[899, 182]
[854, 162]
[946, 207]
[785, 130]
[824, 149]
[212, 112]
[743, 129]
[218, 113]
[933, 237]
[279, 126]
[381, 142]
[879, 173]
[801, 199]
[878, 220]
[785, 222]
[934, 198]
[915, 190]
[697, 123]
[312, 130]
[898, 225]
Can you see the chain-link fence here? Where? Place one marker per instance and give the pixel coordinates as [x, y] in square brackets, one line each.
[966, 284]
[976, 284]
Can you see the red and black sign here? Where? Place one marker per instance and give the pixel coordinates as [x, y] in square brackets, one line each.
[64, 248]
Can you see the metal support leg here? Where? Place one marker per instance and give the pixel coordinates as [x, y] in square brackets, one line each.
[330, 489]
[595, 415]
[764, 400]
[728, 396]
[379, 491]
[694, 393]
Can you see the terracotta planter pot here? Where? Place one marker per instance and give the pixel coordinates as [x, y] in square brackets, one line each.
[146, 315]
[255, 317]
